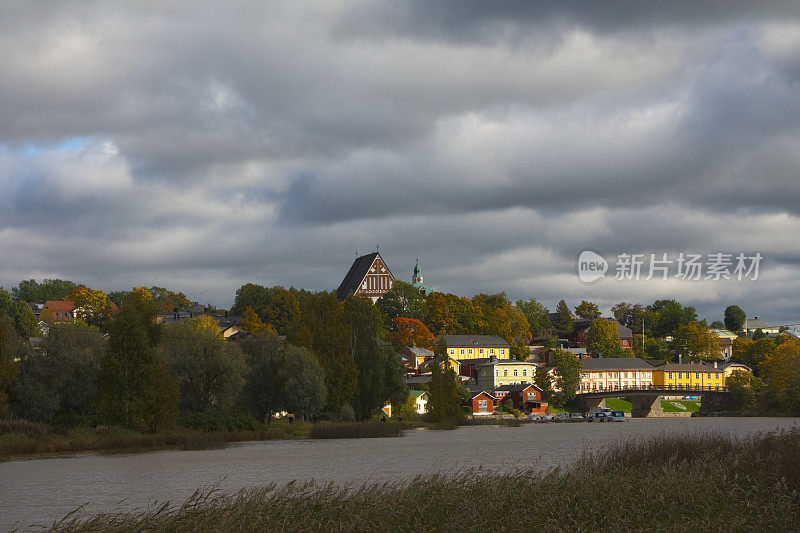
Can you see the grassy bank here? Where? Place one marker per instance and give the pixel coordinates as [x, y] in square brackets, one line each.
[19, 437]
[668, 406]
[672, 483]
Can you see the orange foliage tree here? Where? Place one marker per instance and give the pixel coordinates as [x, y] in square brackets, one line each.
[410, 332]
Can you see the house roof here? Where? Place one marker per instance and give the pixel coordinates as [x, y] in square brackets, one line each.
[691, 367]
[417, 379]
[737, 365]
[357, 271]
[616, 363]
[474, 341]
[474, 391]
[517, 388]
[623, 332]
[757, 323]
[723, 333]
[417, 393]
[65, 306]
[419, 352]
[505, 362]
[473, 361]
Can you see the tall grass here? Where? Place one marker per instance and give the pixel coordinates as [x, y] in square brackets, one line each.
[355, 430]
[673, 483]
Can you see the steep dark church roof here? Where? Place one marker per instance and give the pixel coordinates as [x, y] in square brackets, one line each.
[355, 275]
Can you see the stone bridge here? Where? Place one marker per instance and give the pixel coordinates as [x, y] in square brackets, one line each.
[646, 399]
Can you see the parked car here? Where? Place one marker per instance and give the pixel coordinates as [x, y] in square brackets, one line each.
[596, 417]
[576, 417]
[533, 418]
[545, 419]
[617, 416]
[562, 417]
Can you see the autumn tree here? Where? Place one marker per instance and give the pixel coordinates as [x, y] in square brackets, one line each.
[734, 318]
[250, 322]
[602, 340]
[134, 386]
[563, 320]
[441, 319]
[781, 372]
[697, 342]
[752, 353]
[92, 306]
[587, 310]
[276, 306]
[410, 332]
[167, 300]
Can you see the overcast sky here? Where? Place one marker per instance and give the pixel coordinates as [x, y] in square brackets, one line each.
[203, 145]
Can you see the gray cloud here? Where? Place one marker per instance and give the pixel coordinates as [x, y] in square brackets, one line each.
[203, 146]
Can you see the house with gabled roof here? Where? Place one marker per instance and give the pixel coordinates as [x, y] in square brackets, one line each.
[368, 276]
[55, 311]
[751, 325]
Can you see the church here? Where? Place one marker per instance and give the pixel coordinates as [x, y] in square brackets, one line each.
[370, 276]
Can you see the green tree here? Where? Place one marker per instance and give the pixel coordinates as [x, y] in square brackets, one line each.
[734, 318]
[745, 390]
[602, 340]
[563, 320]
[8, 368]
[325, 331]
[49, 289]
[25, 323]
[543, 381]
[759, 334]
[167, 300]
[369, 354]
[752, 353]
[403, 300]
[587, 310]
[134, 386]
[717, 324]
[664, 317]
[263, 391]
[538, 317]
[567, 375]
[60, 377]
[303, 382]
[629, 315]
[444, 401]
[782, 375]
[5, 302]
[209, 371]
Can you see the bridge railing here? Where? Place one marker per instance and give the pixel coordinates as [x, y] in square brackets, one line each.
[669, 387]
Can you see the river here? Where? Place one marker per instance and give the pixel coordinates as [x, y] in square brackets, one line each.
[37, 491]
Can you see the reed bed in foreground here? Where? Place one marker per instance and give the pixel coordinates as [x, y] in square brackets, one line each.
[355, 430]
[665, 483]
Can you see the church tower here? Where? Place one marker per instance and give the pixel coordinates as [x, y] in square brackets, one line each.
[417, 276]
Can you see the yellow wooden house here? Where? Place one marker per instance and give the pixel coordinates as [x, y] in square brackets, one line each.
[689, 376]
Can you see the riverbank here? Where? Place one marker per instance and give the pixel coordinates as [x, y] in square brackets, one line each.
[663, 483]
[21, 438]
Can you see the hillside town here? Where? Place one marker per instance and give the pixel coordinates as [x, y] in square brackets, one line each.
[502, 358]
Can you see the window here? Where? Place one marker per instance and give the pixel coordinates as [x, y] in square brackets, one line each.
[462, 351]
[496, 372]
[515, 372]
[491, 351]
[524, 371]
[680, 375]
[670, 375]
[480, 351]
[452, 351]
[709, 375]
[470, 351]
[505, 372]
[482, 407]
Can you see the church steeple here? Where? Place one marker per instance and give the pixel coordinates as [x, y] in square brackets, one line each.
[417, 276]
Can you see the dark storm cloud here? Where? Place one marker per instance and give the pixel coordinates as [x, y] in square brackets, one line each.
[222, 143]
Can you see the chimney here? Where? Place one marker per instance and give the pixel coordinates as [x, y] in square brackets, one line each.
[715, 364]
[680, 359]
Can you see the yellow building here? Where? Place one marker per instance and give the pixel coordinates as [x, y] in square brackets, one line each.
[476, 347]
[695, 376]
[730, 369]
[497, 373]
